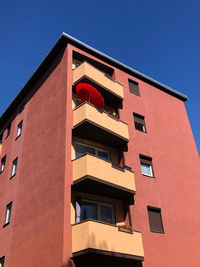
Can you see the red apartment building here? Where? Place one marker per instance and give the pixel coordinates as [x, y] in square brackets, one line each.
[98, 168]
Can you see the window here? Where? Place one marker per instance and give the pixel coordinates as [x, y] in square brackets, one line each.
[155, 220]
[8, 130]
[19, 129]
[76, 63]
[2, 260]
[146, 165]
[134, 87]
[14, 167]
[88, 209]
[3, 163]
[8, 214]
[139, 122]
[82, 149]
[22, 108]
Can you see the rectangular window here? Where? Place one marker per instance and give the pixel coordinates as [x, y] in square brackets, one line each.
[146, 165]
[8, 213]
[22, 108]
[139, 122]
[14, 167]
[134, 87]
[2, 260]
[155, 220]
[3, 163]
[88, 209]
[8, 130]
[19, 129]
[82, 149]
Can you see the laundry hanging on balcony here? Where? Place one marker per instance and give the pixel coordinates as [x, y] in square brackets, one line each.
[86, 92]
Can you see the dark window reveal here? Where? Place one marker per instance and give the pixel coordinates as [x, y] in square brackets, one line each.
[155, 220]
[134, 87]
[2, 260]
[139, 122]
[8, 130]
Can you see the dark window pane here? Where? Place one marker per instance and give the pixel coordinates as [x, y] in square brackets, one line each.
[103, 155]
[106, 214]
[139, 122]
[88, 211]
[83, 149]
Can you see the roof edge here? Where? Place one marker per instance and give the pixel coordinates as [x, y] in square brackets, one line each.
[61, 42]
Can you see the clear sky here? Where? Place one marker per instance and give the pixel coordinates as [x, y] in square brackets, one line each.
[158, 38]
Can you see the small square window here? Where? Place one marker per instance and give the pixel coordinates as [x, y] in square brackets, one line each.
[134, 87]
[146, 166]
[8, 130]
[8, 214]
[155, 220]
[14, 167]
[2, 260]
[139, 122]
[19, 129]
[3, 163]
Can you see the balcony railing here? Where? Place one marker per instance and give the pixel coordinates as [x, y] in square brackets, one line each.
[97, 176]
[101, 238]
[98, 77]
[96, 125]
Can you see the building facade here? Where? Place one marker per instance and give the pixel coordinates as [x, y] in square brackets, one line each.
[103, 176]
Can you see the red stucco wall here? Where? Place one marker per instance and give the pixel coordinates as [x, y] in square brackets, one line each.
[175, 188]
[34, 236]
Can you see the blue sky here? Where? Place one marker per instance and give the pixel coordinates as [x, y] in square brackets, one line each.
[158, 38]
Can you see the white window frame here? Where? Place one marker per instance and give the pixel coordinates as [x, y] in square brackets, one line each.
[14, 167]
[19, 129]
[8, 213]
[95, 148]
[151, 170]
[3, 163]
[99, 204]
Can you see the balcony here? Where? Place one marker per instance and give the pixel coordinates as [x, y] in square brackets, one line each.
[88, 72]
[96, 125]
[97, 176]
[92, 237]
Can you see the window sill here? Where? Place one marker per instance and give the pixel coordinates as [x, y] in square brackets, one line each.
[6, 224]
[149, 176]
[157, 232]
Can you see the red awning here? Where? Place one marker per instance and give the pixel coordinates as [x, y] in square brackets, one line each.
[86, 92]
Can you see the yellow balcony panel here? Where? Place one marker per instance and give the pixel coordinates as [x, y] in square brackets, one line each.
[92, 237]
[97, 176]
[85, 70]
[93, 124]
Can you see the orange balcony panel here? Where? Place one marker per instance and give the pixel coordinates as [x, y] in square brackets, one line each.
[85, 70]
[100, 238]
[93, 124]
[96, 176]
